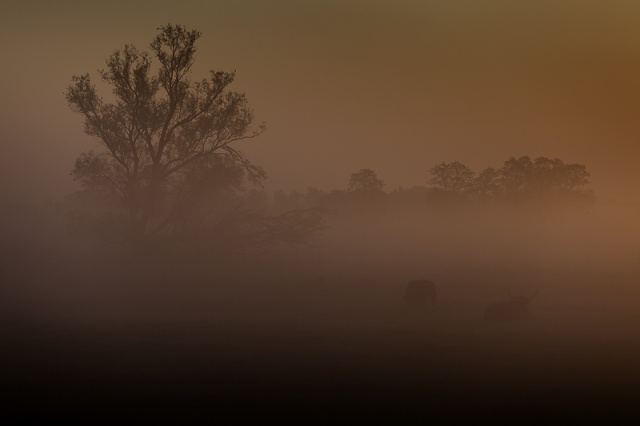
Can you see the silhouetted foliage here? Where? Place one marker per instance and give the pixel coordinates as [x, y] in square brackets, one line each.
[542, 182]
[365, 181]
[519, 178]
[487, 183]
[542, 177]
[169, 161]
[516, 175]
[452, 177]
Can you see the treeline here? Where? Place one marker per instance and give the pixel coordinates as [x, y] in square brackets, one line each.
[213, 206]
[522, 179]
[168, 170]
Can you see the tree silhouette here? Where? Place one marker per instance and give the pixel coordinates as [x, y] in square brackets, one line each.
[365, 181]
[542, 176]
[516, 175]
[168, 153]
[452, 177]
[555, 174]
[487, 183]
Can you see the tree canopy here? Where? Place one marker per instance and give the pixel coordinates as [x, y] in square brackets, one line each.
[365, 181]
[168, 145]
[518, 177]
[452, 177]
[522, 176]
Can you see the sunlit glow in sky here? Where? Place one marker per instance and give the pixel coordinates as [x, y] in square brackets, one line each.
[392, 86]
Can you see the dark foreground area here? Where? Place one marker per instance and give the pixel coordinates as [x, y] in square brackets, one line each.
[232, 373]
[96, 336]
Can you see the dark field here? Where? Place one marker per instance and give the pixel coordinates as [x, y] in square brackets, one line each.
[236, 372]
[325, 363]
[192, 370]
[318, 336]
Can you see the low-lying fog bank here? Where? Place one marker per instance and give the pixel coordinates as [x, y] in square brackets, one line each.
[325, 329]
[580, 265]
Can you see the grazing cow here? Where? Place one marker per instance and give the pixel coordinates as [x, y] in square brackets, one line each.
[420, 294]
[513, 310]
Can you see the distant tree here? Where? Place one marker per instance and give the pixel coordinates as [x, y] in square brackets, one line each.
[487, 183]
[365, 181]
[516, 175]
[452, 177]
[168, 144]
[554, 174]
[542, 176]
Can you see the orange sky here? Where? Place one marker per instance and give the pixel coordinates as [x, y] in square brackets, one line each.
[393, 86]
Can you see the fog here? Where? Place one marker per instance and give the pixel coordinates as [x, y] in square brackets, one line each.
[395, 87]
[298, 323]
[358, 265]
[285, 298]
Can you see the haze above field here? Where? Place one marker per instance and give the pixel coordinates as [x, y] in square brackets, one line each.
[392, 86]
[168, 284]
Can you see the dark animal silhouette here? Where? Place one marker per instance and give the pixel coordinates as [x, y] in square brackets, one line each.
[513, 310]
[420, 294]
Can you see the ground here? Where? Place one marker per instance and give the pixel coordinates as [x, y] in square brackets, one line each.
[300, 369]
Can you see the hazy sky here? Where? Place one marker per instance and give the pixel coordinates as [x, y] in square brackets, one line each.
[396, 86]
